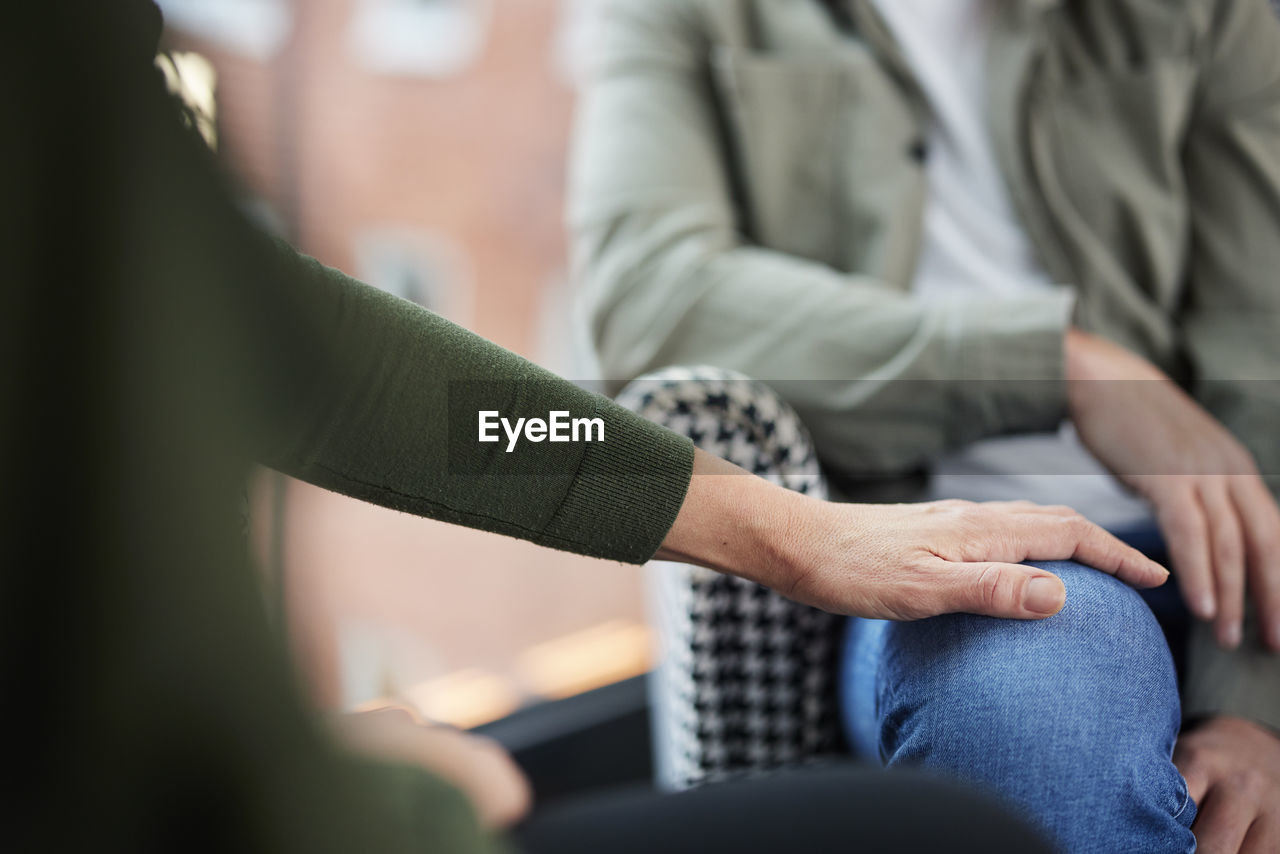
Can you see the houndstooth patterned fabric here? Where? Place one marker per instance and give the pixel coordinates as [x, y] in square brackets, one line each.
[746, 680]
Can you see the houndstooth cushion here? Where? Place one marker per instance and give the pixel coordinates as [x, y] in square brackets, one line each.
[747, 678]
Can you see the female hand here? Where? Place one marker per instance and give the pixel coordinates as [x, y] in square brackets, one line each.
[899, 562]
[479, 767]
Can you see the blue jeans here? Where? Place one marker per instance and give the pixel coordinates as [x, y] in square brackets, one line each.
[1072, 720]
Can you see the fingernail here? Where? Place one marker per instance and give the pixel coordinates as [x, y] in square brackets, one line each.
[1205, 606]
[1043, 595]
[1230, 636]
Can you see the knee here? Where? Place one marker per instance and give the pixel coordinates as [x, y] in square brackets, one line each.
[1072, 718]
[730, 415]
[1093, 685]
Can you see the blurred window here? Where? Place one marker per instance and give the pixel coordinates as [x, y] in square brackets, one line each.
[425, 38]
[254, 28]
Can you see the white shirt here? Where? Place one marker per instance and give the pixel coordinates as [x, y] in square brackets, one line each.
[974, 242]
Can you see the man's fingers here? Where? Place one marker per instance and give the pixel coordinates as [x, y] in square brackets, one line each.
[1003, 590]
[1182, 522]
[1226, 543]
[1197, 782]
[1264, 836]
[1261, 519]
[1222, 822]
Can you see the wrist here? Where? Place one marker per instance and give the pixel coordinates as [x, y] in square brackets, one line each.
[1092, 363]
[1087, 358]
[739, 524]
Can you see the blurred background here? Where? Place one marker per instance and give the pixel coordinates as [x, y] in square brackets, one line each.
[420, 146]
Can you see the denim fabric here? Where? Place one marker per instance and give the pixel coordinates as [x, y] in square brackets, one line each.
[1071, 719]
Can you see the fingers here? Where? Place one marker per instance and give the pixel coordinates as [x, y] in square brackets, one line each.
[1226, 549]
[1001, 590]
[1197, 783]
[1100, 550]
[1182, 522]
[1021, 531]
[1261, 520]
[1232, 769]
[390, 709]
[1263, 837]
[1222, 823]
[1059, 533]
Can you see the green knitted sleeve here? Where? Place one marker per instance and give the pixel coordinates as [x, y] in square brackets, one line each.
[400, 426]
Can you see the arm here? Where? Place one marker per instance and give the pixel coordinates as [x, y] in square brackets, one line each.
[389, 436]
[1232, 319]
[883, 382]
[396, 424]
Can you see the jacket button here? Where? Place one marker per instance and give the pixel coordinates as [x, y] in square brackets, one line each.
[918, 150]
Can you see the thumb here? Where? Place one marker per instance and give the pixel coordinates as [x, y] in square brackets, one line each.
[1007, 590]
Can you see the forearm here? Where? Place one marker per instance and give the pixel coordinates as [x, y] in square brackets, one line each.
[883, 382]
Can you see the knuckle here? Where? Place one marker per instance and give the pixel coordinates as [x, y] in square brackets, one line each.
[1078, 525]
[1230, 585]
[1268, 540]
[1189, 757]
[1250, 783]
[1228, 553]
[997, 591]
[1239, 460]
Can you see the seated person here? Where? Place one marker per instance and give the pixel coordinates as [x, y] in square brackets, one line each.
[930, 226]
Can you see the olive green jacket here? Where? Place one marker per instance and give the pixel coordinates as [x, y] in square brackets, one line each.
[748, 187]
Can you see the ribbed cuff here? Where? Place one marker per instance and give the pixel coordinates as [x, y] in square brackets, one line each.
[1010, 352]
[628, 489]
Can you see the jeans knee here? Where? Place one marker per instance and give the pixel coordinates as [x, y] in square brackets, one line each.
[1100, 670]
[1073, 716]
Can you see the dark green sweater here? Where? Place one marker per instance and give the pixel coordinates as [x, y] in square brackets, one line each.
[152, 344]
[399, 428]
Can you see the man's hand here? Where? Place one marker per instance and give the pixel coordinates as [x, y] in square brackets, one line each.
[479, 767]
[1232, 769]
[1219, 520]
[899, 562]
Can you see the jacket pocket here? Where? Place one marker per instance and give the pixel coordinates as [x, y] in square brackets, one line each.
[820, 155]
[785, 141]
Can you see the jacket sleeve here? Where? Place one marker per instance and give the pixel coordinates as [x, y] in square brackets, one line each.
[883, 382]
[1231, 321]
